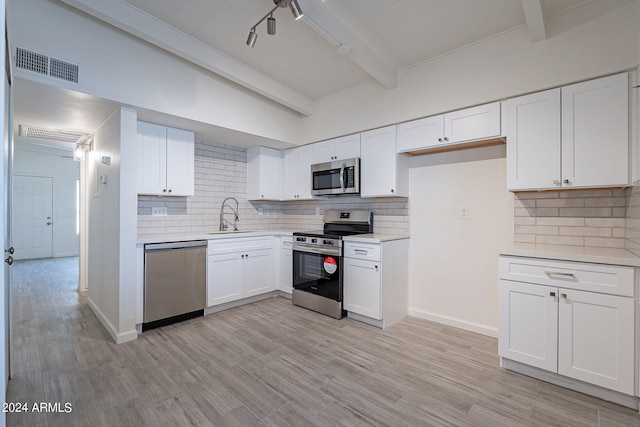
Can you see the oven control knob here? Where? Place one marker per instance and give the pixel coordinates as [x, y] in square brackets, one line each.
[314, 240]
[328, 242]
[301, 239]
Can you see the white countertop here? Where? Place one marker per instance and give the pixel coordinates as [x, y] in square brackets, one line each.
[183, 237]
[374, 238]
[573, 253]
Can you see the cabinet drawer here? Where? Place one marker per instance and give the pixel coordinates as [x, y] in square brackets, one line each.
[358, 250]
[217, 246]
[606, 279]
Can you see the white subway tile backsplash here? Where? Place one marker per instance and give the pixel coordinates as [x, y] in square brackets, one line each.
[221, 171]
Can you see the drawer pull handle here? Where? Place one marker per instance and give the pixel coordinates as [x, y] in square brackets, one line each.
[552, 294]
[559, 273]
[564, 296]
[361, 251]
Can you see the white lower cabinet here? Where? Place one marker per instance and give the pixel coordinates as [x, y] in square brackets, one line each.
[556, 326]
[376, 277]
[239, 268]
[285, 273]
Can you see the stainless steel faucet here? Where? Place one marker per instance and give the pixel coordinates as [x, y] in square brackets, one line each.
[223, 221]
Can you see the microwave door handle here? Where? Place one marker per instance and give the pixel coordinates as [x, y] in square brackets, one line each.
[342, 183]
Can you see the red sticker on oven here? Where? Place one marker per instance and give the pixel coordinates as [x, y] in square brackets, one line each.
[330, 265]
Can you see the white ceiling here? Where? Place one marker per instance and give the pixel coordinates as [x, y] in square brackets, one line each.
[385, 37]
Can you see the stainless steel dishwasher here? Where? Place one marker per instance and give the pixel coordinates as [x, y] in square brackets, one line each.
[175, 282]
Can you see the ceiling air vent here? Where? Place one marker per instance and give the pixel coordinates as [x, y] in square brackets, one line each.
[42, 64]
[49, 134]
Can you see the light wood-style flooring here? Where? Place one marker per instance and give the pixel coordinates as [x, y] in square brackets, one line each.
[268, 363]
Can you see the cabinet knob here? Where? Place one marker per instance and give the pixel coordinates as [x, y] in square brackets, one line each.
[247, 256]
[392, 190]
[164, 190]
[242, 256]
[376, 268]
[170, 190]
[556, 182]
[563, 296]
[446, 139]
[9, 260]
[566, 181]
[552, 294]
[439, 139]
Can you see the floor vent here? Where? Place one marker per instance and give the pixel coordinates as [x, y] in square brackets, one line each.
[42, 64]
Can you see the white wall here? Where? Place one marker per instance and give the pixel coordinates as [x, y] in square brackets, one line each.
[36, 160]
[112, 225]
[119, 67]
[454, 262]
[500, 67]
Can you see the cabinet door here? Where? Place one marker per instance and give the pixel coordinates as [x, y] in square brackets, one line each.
[224, 278]
[305, 160]
[596, 342]
[285, 276]
[595, 133]
[347, 147]
[481, 122]
[362, 290]
[264, 174]
[533, 141]
[180, 162]
[528, 324]
[419, 134]
[379, 164]
[152, 158]
[324, 151]
[258, 272]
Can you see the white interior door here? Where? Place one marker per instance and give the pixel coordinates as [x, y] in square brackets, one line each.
[32, 216]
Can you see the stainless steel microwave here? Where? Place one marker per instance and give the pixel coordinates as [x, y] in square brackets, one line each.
[337, 177]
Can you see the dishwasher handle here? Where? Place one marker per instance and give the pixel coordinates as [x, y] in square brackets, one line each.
[175, 245]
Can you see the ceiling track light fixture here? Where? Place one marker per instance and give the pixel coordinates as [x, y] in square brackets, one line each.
[271, 21]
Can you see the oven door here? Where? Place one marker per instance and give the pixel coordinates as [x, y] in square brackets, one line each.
[319, 274]
[339, 177]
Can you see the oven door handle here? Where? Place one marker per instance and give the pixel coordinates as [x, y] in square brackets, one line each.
[316, 250]
[342, 183]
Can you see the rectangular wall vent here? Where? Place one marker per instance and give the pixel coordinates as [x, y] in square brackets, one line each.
[32, 61]
[49, 134]
[63, 70]
[42, 64]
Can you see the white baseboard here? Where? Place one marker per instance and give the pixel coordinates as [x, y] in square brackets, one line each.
[118, 337]
[456, 323]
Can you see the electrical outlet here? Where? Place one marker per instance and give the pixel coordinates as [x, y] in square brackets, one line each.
[463, 213]
[159, 211]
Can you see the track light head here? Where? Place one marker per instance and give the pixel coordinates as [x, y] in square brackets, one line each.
[296, 10]
[253, 36]
[271, 26]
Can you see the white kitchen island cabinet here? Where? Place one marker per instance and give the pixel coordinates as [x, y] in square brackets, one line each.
[376, 281]
[239, 268]
[470, 124]
[571, 318]
[384, 172]
[166, 160]
[576, 136]
[344, 147]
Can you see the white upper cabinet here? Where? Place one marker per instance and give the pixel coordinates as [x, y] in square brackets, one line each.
[573, 137]
[533, 140]
[345, 147]
[384, 173]
[297, 173]
[470, 124]
[166, 159]
[264, 173]
[595, 133]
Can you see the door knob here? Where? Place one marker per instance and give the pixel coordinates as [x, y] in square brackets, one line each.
[49, 223]
[10, 250]
[9, 260]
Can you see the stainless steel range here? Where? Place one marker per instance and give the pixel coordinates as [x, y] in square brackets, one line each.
[317, 261]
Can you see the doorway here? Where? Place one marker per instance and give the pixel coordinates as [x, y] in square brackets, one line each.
[32, 217]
